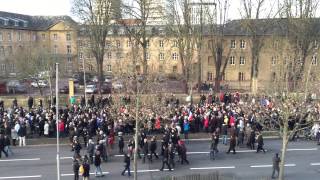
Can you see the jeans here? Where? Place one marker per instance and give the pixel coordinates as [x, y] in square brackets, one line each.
[224, 139]
[98, 170]
[8, 149]
[125, 169]
[22, 141]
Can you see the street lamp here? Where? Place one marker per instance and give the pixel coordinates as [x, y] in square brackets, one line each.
[57, 120]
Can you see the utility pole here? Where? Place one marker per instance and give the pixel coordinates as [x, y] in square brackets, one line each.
[57, 120]
[85, 83]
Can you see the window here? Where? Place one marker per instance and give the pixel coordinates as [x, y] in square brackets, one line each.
[175, 43]
[147, 44]
[209, 76]
[161, 56]
[3, 67]
[175, 56]
[276, 44]
[43, 36]
[129, 43]
[118, 44]
[19, 36]
[232, 60]
[147, 56]
[314, 60]
[80, 55]
[55, 37]
[1, 37]
[34, 37]
[13, 67]
[6, 22]
[109, 68]
[161, 43]
[242, 60]
[68, 49]
[10, 49]
[68, 37]
[273, 76]
[273, 60]
[1, 50]
[90, 67]
[174, 69]
[242, 44]
[69, 60]
[55, 49]
[241, 76]
[233, 44]
[118, 55]
[109, 55]
[16, 23]
[9, 36]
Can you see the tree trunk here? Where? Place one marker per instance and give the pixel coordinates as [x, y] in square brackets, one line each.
[285, 140]
[254, 85]
[135, 163]
[100, 76]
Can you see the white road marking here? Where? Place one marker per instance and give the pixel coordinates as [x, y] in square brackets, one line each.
[314, 164]
[66, 157]
[151, 170]
[21, 177]
[90, 173]
[270, 165]
[13, 160]
[307, 149]
[204, 168]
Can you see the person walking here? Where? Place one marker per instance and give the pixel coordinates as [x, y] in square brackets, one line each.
[22, 135]
[224, 134]
[183, 152]
[165, 158]
[232, 145]
[127, 165]
[86, 169]
[172, 154]
[90, 150]
[145, 150]
[186, 129]
[97, 164]
[275, 165]
[2, 145]
[120, 143]
[7, 145]
[76, 167]
[153, 148]
[260, 143]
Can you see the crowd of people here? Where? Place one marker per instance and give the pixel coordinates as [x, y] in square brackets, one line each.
[95, 124]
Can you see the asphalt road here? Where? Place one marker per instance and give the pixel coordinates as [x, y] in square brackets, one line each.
[39, 162]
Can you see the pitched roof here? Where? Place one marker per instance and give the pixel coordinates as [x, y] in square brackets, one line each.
[20, 21]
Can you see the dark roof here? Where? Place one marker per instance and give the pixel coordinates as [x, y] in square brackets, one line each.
[32, 22]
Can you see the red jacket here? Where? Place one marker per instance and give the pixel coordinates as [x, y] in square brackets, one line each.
[61, 126]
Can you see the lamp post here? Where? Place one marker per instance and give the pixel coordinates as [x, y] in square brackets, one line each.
[57, 120]
[85, 83]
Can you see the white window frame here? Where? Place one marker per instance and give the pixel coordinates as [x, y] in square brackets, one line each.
[55, 36]
[80, 55]
[109, 68]
[233, 44]
[147, 56]
[69, 49]
[19, 36]
[242, 60]
[55, 49]
[161, 43]
[147, 44]
[274, 60]
[175, 43]
[232, 60]
[1, 36]
[161, 56]
[43, 36]
[129, 43]
[175, 56]
[3, 67]
[69, 59]
[68, 36]
[9, 36]
[241, 76]
[109, 55]
[118, 44]
[242, 44]
[314, 60]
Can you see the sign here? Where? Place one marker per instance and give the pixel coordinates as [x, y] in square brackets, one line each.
[71, 88]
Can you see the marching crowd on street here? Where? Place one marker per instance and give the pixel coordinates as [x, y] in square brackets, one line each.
[95, 126]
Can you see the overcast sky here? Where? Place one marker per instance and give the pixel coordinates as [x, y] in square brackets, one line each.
[62, 7]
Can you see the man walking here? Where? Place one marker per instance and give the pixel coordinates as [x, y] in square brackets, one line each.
[260, 143]
[275, 166]
[2, 145]
[76, 167]
[165, 158]
[153, 148]
[22, 135]
[127, 165]
[232, 145]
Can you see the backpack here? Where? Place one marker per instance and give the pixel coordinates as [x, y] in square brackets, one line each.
[81, 170]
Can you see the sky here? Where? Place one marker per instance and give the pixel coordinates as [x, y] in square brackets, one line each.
[62, 7]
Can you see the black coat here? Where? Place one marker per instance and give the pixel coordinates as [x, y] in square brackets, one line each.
[22, 131]
[97, 159]
[76, 166]
[146, 148]
[153, 146]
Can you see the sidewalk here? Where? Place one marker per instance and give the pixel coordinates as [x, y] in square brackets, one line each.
[192, 137]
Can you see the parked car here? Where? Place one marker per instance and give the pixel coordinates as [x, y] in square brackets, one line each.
[41, 83]
[14, 86]
[91, 89]
[117, 85]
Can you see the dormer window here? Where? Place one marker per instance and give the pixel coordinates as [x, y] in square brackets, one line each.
[6, 22]
[16, 23]
[25, 24]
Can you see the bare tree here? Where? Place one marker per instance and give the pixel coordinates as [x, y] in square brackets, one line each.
[96, 18]
[252, 11]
